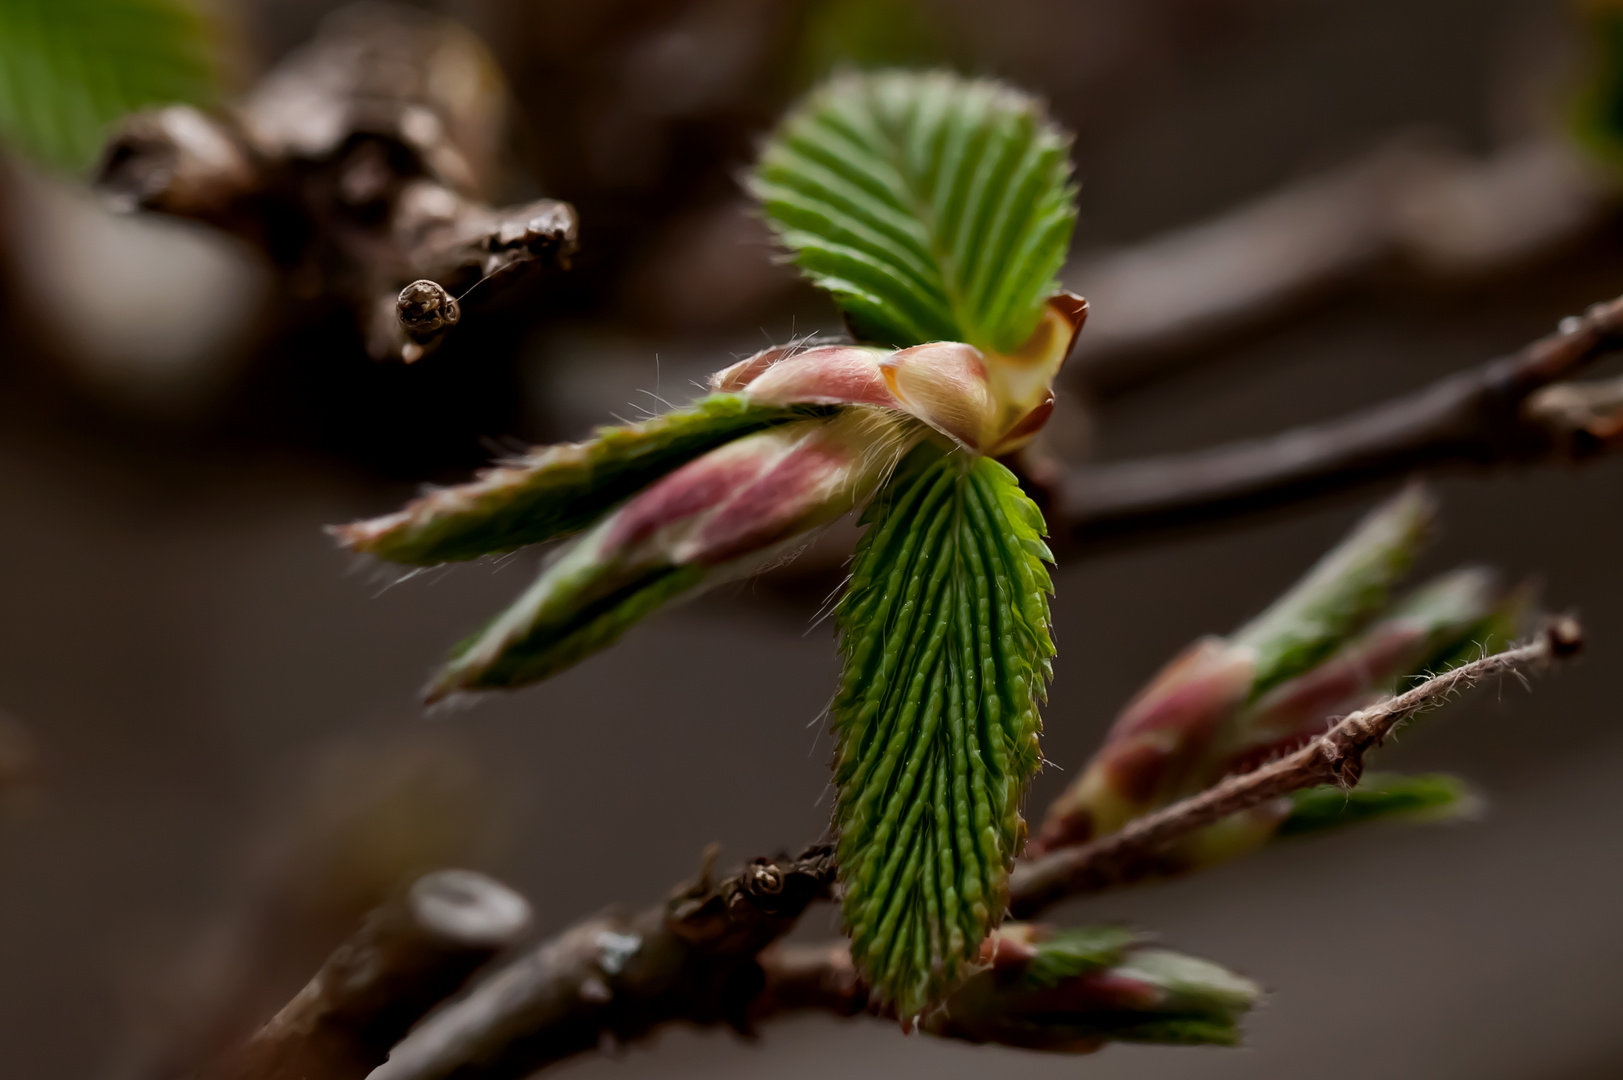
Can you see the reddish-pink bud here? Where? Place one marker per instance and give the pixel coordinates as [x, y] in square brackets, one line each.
[756, 494]
[989, 403]
[1161, 735]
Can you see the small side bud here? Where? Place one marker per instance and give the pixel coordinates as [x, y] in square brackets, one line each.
[722, 516]
[426, 311]
[1072, 991]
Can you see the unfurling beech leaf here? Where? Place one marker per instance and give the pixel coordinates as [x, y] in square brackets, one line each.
[1342, 591]
[1226, 705]
[933, 208]
[68, 68]
[944, 629]
[1073, 991]
[721, 516]
[557, 490]
[1079, 950]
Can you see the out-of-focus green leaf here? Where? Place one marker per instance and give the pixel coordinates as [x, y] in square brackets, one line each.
[1343, 591]
[1597, 115]
[1078, 950]
[865, 34]
[944, 628]
[1190, 985]
[1384, 796]
[68, 68]
[933, 208]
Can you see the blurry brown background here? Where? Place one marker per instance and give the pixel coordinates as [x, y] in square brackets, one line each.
[223, 706]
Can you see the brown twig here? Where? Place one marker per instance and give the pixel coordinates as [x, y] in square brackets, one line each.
[406, 958]
[358, 165]
[817, 978]
[1336, 757]
[616, 976]
[1484, 416]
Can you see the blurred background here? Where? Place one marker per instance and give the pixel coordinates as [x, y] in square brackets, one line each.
[211, 756]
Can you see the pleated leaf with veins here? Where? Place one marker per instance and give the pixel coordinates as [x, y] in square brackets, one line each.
[933, 208]
[945, 633]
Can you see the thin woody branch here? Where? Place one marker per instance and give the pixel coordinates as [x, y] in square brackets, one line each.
[1489, 415]
[616, 976]
[1336, 757]
[406, 958]
[817, 978]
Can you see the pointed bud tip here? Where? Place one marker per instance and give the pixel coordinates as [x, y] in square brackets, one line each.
[1072, 308]
[348, 535]
[446, 682]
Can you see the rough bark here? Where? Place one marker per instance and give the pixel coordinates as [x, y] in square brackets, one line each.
[359, 165]
[406, 958]
[616, 976]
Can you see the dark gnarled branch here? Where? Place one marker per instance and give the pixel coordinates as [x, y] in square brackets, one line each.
[406, 958]
[358, 165]
[616, 976]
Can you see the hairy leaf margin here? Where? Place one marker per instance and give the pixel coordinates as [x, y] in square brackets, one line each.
[558, 490]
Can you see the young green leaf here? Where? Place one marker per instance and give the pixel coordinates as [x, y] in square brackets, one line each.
[721, 516]
[1379, 796]
[934, 208]
[68, 68]
[1423, 632]
[1075, 990]
[1227, 705]
[558, 490]
[1079, 950]
[944, 629]
[1597, 111]
[1342, 592]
